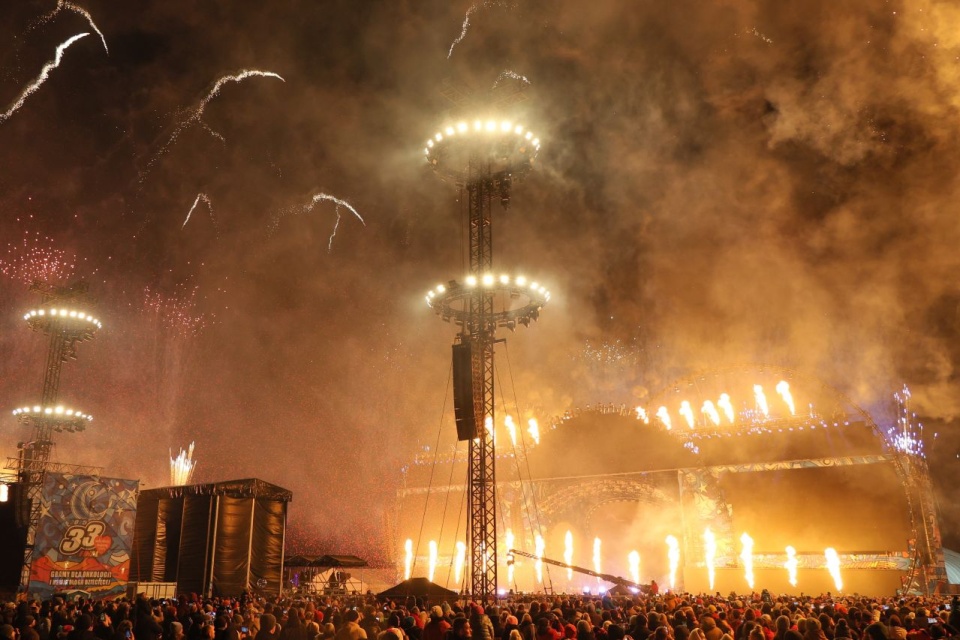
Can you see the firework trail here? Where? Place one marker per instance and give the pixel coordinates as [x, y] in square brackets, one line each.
[69, 6]
[466, 21]
[513, 75]
[194, 115]
[307, 208]
[202, 197]
[44, 74]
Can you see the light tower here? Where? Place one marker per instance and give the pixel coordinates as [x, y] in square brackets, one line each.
[64, 317]
[482, 156]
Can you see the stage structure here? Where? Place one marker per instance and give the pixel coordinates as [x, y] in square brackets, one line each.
[482, 153]
[222, 538]
[325, 575]
[760, 450]
[64, 317]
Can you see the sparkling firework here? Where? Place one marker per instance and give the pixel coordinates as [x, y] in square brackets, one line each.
[710, 555]
[568, 552]
[783, 388]
[459, 561]
[725, 404]
[408, 558]
[44, 74]
[35, 259]
[538, 565]
[176, 313]
[687, 412]
[596, 558]
[181, 467]
[432, 566]
[761, 400]
[63, 5]
[633, 561]
[711, 412]
[746, 556]
[466, 21]
[321, 197]
[533, 428]
[513, 75]
[673, 555]
[511, 429]
[833, 566]
[510, 541]
[664, 416]
[201, 197]
[194, 115]
[791, 566]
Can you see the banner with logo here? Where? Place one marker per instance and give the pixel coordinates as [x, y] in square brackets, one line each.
[84, 536]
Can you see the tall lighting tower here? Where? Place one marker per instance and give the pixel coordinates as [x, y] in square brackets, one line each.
[482, 155]
[64, 317]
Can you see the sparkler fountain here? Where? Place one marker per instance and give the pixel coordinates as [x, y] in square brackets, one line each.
[63, 316]
[483, 157]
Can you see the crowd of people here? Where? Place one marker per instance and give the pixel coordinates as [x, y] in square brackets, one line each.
[644, 617]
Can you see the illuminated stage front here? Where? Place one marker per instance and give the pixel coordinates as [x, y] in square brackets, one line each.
[823, 478]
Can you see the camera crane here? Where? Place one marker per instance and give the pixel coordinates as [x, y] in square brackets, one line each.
[643, 588]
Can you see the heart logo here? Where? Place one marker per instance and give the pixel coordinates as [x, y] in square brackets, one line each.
[102, 544]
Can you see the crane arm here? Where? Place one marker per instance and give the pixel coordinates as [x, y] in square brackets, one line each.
[644, 588]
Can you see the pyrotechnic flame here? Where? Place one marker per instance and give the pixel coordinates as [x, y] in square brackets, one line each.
[783, 388]
[533, 429]
[538, 566]
[725, 404]
[673, 555]
[633, 560]
[568, 552]
[710, 555]
[511, 429]
[510, 541]
[761, 399]
[642, 415]
[460, 560]
[181, 467]
[202, 197]
[488, 425]
[791, 566]
[687, 412]
[69, 6]
[596, 557]
[833, 566]
[711, 411]
[432, 566]
[746, 555]
[513, 75]
[664, 416]
[44, 74]
[197, 113]
[408, 561]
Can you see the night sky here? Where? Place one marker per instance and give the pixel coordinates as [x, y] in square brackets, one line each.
[719, 183]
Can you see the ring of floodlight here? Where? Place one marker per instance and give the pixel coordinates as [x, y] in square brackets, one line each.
[498, 146]
[451, 301]
[60, 417]
[71, 320]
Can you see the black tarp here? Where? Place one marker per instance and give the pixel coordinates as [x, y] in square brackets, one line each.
[232, 549]
[195, 544]
[266, 561]
[144, 541]
[418, 587]
[339, 562]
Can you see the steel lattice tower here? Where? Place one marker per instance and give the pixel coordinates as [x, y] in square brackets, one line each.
[483, 157]
[63, 316]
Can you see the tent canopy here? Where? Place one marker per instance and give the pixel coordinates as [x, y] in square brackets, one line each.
[418, 587]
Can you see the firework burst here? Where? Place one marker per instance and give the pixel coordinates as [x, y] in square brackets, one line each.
[193, 116]
[38, 82]
[35, 259]
[182, 467]
[63, 5]
[321, 197]
[177, 313]
[202, 197]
